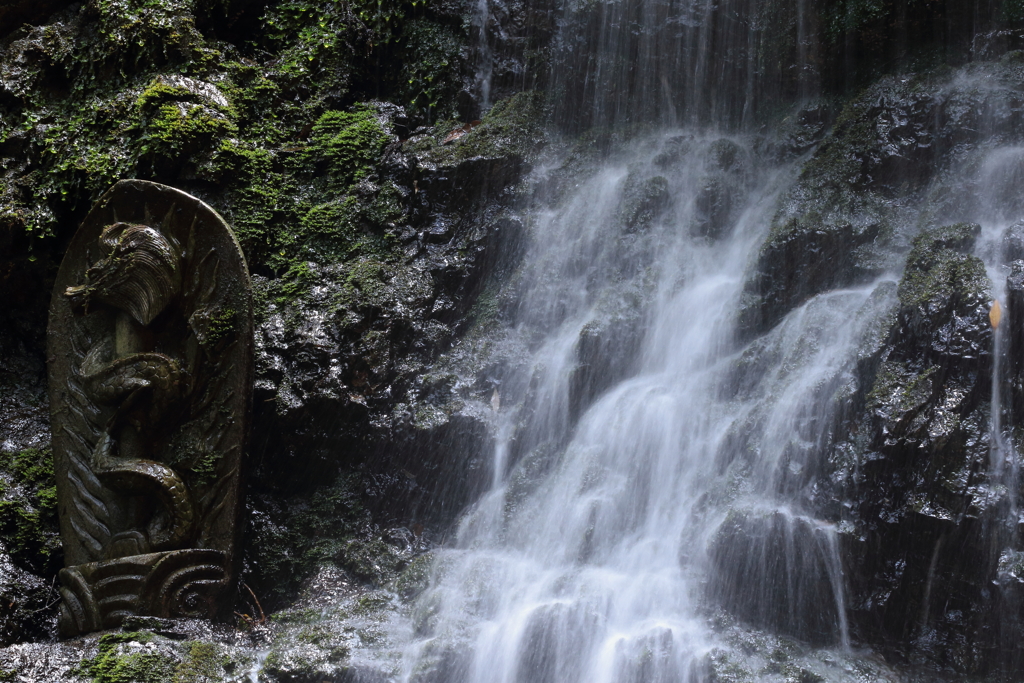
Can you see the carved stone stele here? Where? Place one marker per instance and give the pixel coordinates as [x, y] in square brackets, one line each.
[150, 379]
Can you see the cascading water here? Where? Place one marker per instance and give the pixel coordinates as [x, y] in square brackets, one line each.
[591, 557]
[653, 466]
[481, 24]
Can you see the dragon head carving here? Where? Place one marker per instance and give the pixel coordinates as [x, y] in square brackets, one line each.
[140, 274]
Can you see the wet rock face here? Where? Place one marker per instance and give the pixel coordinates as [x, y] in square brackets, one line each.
[368, 235]
[846, 217]
[343, 363]
[779, 572]
[25, 598]
[907, 475]
[1015, 342]
[915, 468]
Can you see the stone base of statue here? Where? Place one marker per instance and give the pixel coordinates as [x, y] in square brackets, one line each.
[178, 583]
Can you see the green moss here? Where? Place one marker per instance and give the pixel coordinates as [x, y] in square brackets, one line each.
[211, 326]
[346, 144]
[258, 195]
[313, 531]
[302, 616]
[123, 658]
[180, 127]
[364, 283]
[414, 579]
[294, 283]
[512, 128]
[204, 662]
[938, 270]
[205, 468]
[432, 61]
[133, 99]
[898, 389]
[486, 310]
[28, 511]
[32, 466]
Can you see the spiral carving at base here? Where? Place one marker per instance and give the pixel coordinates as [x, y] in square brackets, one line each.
[150, 345]
[180, 583]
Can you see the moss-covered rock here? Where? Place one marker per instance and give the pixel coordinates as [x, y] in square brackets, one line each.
[853, 209]
[293, 120]
[129, 658]
[333, 632]
[28, 510]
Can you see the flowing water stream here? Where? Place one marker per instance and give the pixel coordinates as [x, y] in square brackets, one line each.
[592, 556]
[651, 465]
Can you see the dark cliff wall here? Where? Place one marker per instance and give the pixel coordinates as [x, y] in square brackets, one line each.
[318, 130]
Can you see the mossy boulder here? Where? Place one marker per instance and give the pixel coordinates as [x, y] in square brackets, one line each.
[334, 631]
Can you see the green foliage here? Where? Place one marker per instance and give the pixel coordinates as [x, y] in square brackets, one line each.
[28, 509]
[346, 144]
[124, 658]
[845, 16]
[432, 61]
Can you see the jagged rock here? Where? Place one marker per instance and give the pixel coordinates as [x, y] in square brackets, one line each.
[922, 451]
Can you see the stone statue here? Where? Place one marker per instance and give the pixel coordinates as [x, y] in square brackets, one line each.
[150, 380]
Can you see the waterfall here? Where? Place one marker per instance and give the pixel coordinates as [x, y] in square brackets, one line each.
[655, 468]
[484, 57]
[663, 468]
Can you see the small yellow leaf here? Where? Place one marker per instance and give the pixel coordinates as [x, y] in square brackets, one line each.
[995, 314]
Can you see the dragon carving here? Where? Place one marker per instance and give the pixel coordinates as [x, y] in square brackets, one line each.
[150, 343]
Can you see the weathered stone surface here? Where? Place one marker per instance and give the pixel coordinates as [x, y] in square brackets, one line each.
[915, 470]
[150, 371]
